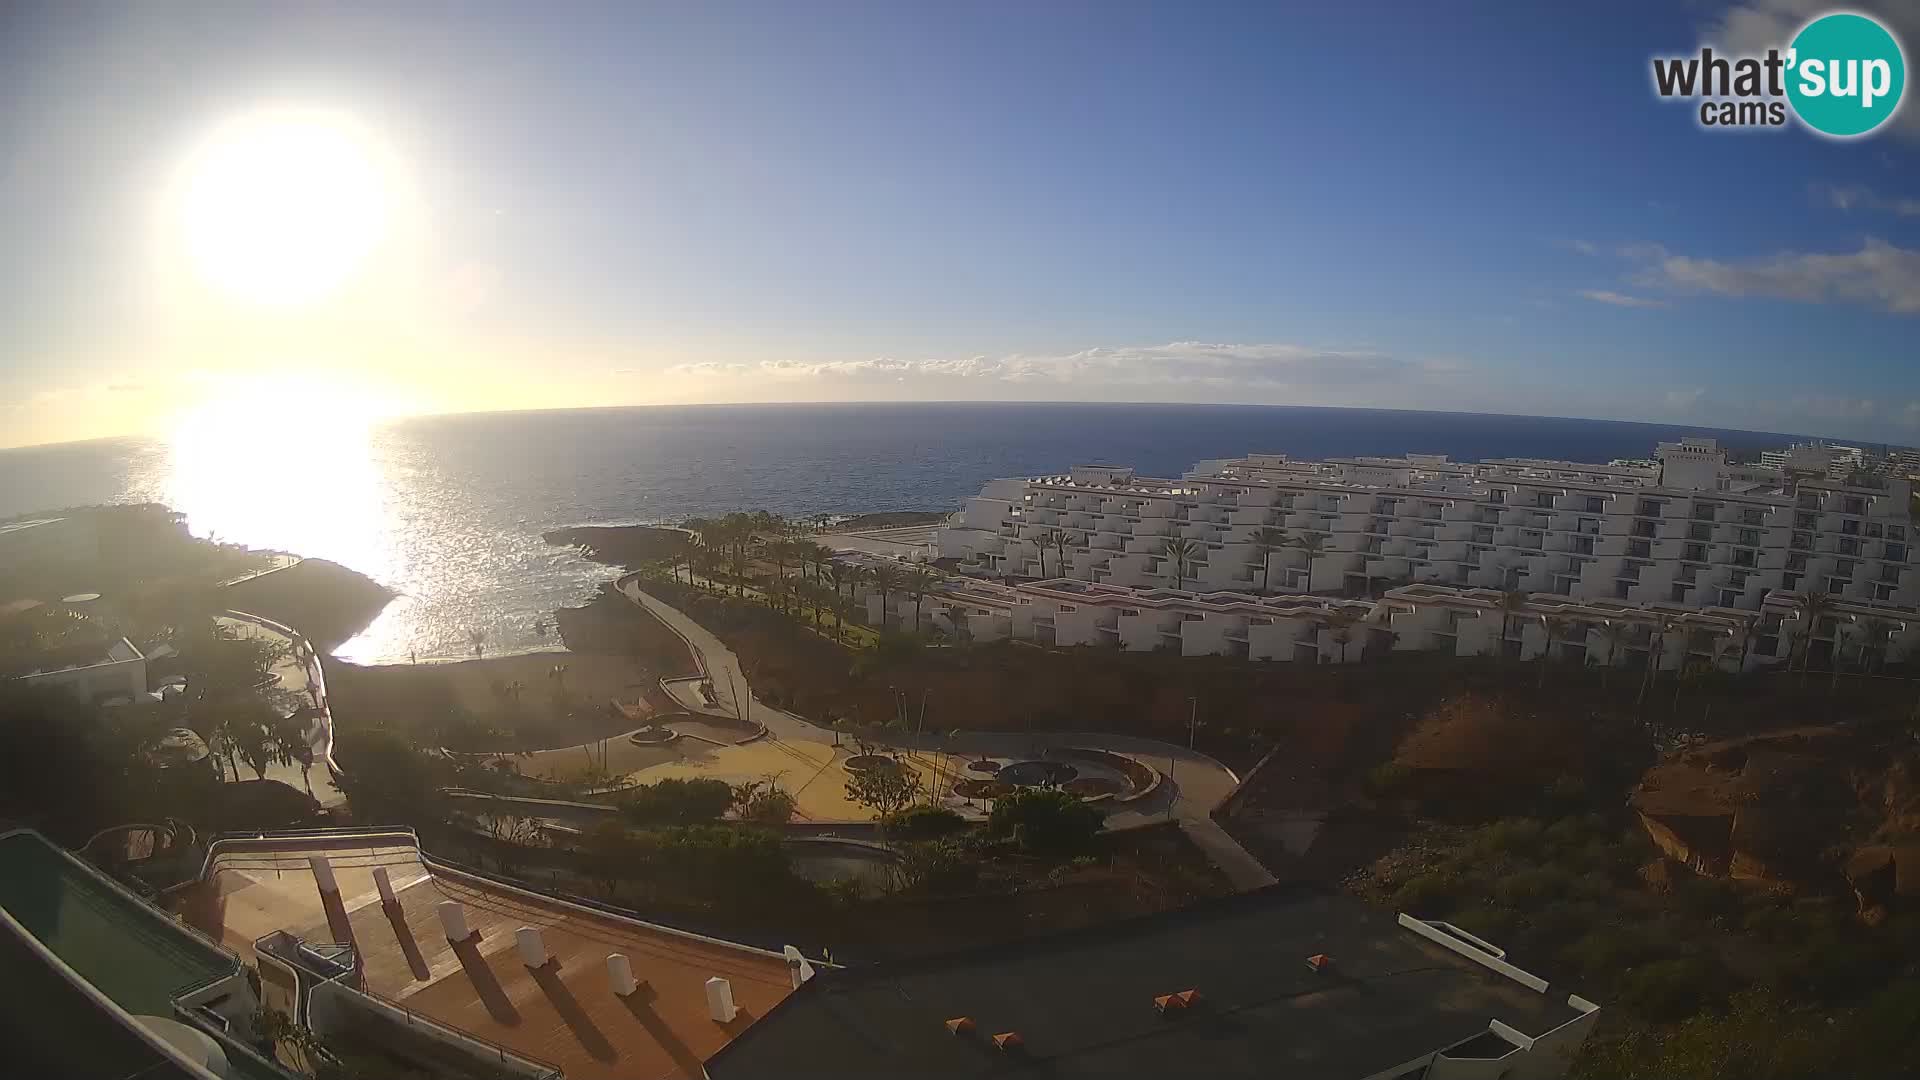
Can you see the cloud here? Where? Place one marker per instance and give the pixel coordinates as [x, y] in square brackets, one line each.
[1607, 296]
[1179, 363]
[1753, 26]
[1879, 276]
[1685, 400]
[1860, 198]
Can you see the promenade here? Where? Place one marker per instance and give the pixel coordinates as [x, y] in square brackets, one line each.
[1194, 783]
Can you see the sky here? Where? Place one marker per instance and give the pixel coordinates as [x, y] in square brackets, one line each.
[1391, 204]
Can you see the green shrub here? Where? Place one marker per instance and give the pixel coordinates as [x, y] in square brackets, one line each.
[1386, 779]
[922, 823]
[1045, 820]
[1511, 836]
[1533, 886]
[1672, 989]
[677, 802]
[1426, 895]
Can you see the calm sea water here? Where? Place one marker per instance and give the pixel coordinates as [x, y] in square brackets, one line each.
[450, 510]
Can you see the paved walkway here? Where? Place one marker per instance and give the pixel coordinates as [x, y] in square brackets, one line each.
[1194, 783]
[299, 672]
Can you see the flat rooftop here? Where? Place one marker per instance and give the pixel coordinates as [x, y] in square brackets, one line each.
[1083, 1002]
[128, 950]
[566, 1016]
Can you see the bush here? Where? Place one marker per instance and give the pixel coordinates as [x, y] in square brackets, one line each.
[937, 866]
[1385, 779]
[1426, 895]
[1511, 836]
[386, 781]
[923, 823]
[1045, 820]
[678, 802]
[1670, 990]
[1533, 886]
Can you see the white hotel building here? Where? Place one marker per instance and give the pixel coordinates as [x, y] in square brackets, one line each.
[1718, 549]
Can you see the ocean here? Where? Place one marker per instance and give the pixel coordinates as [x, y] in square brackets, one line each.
[450, 510]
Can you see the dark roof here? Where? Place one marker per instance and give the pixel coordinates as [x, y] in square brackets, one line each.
[51, 1029]
[1083, 1002]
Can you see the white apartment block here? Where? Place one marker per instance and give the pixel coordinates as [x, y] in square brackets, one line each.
[1686, 536]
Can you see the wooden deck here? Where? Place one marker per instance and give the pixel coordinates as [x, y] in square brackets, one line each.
[564, 1013]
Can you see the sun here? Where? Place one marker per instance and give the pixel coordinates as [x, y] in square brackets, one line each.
[282, 208]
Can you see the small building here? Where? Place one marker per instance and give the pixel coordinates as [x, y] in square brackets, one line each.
[92, 672]
[1281, 981]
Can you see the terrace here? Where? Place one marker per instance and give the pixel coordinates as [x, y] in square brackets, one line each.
[564, 1012]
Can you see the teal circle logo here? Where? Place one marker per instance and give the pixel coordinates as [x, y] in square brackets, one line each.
[1846, 75]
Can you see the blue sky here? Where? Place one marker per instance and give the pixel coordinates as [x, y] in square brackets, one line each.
[1482, 207]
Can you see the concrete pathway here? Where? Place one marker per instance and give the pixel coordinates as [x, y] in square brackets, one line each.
[1194, 784]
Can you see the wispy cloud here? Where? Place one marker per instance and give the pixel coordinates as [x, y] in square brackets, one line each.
[1180, 363]
[1861, 198]
[1608, 296]
[1684, 400]
[1879, 276]
[1754, 25]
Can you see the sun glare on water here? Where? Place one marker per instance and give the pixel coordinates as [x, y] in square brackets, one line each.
[285, 463]
[282, 208]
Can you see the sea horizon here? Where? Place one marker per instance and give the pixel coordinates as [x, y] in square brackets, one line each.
[450, 510]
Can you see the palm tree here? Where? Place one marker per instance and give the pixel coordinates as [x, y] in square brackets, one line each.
[1512, 602]
[1061, 538]
[887, 580]
[1656, 651]
[780, 551]
[1814, 607]
[819, 555]
[835, 576]
[920, 582]
[958, 620]
[1613, 633]
[1047, 538]
[682, 554]
[1342, 623]
[1265, 542]
[1312, 543]
[1876, 637]
[1181, 550]
[1555, 627]
[477, 637]
[1841, 633]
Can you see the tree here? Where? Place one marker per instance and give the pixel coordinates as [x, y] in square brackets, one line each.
[1555, 627]
[612, 852]
[685, 546]
[884, 789]
[1266, 541]
[1814, 608]
[887, 580]
[385, 779]
[1313, 543]
[1180, 550]
[477, 637]
[1341, 624]
[678, 802]
[1613, 632]
[249, 729]
[1045, 820]
[1512, 602]
[1061, 538]
[1656, 650]
[920, 582]
[918, 823]
[763, 802]
[1876, 637]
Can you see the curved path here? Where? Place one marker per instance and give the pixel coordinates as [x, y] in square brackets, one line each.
[1195, 783]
